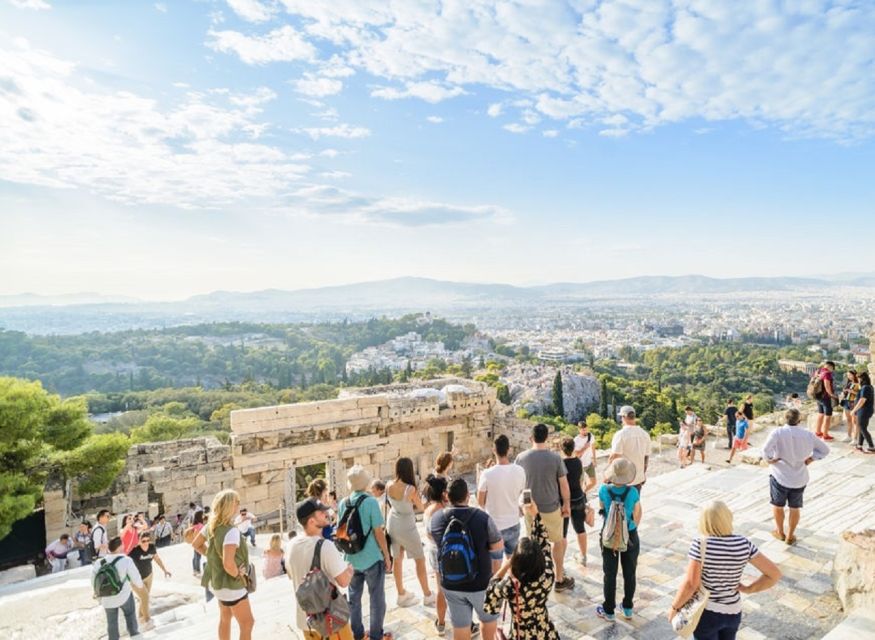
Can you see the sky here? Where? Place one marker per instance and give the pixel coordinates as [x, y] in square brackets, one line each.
[165, 149]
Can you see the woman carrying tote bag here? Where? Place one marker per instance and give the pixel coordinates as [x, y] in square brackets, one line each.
[725, 557]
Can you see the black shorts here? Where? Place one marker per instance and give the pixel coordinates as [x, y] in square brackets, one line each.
[825, 406]
[231, 603]
[782, 496]
[578, 517]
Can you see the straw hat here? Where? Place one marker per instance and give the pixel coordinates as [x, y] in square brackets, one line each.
[620, 472]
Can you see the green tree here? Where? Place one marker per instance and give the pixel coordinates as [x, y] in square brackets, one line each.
[558, 402]
[160, 427]
[503, 393]
[603, 401]
[42, 435]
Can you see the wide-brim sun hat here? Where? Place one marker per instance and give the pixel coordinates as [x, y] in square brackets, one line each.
[620, 472]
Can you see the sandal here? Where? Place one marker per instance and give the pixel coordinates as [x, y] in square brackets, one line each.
[779, 536]
[791, 540]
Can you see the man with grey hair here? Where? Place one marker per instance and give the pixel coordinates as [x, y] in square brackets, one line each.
[789, 450]
[373, 562]
[633, 443]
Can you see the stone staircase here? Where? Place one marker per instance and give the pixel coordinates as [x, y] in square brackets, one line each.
[802, 606]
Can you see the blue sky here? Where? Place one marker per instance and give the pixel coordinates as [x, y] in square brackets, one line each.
[165, 149]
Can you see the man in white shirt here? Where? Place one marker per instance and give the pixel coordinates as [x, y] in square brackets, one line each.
[633, 443]
[245, 523]
[584, 448]
[124, 599]
[99, 536]
[313, 516]
[789, 450]
[56, 552]
[498, 493]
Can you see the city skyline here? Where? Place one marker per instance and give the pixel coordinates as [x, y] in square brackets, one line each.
[161, 150]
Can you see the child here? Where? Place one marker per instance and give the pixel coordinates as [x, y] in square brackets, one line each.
[742, 434]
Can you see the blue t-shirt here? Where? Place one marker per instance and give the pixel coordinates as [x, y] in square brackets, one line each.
[371, 517]
[741, 428]
[867, 392]
[608, 490]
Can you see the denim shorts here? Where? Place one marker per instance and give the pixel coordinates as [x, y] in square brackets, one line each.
[825, 406]
[781, 495]
[462, 604]
[511, 538]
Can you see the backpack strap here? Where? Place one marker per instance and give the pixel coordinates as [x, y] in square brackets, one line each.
[317, 556]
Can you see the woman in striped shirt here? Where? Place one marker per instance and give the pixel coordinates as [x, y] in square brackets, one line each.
[726, 555]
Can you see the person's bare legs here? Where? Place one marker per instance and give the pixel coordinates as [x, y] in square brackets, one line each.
[793, 522]
[461, 633]
[441, 605]
[581, 543]
[422, 576]
[487, 630]
[398, 572]
[820, 426]
[559, 559]
[778, 512]
[225, 616]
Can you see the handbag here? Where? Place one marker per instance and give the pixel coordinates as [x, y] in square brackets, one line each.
[686, 619]
[249, 577]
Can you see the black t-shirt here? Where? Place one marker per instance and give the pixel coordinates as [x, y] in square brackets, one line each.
[143, 559]
[866, 391]
[747, 410]
[478, 527]
[730, 415]
[575, 471]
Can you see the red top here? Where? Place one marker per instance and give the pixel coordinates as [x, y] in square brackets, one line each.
[129, 539]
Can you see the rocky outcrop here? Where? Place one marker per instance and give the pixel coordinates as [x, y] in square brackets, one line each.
[854, 570]
[531, 388]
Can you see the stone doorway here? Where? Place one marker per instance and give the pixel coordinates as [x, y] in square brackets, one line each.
[297, 479]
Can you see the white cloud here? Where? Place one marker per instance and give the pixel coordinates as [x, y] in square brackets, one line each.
[803, 68]
[160, 7]
[282, 44]
[60, 130]
[253, 10]
[434, 119]
[311, 85]
[35, 5]
[550, 133]
[342, 130]
[516, 127]
[334, 175]
[329, 153]
[432, 92]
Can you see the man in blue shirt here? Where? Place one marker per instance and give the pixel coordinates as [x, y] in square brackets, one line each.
[371, 564]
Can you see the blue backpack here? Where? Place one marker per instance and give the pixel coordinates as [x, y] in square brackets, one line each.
[457, 559]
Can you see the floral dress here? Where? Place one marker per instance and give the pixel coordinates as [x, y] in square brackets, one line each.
[528, 606]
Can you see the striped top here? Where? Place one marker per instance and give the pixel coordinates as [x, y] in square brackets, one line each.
[725, 559]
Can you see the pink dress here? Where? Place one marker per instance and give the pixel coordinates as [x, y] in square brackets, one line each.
[273, 565]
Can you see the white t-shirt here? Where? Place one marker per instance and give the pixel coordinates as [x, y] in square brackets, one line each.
[229, 595]
[298, 562]
[59, 549]
[243, 524]
[99, 537]
[503, 485]
[586, 456]
[129, 574]
[633, 443]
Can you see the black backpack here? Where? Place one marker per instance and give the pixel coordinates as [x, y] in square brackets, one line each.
[349, 537]
[92, 549]
[457, 558]
[107, 581]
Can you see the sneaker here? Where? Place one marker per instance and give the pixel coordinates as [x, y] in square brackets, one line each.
[440, 627]
[566, 584]
[429, 600]
[859, 448]
[147, 626]
[406, 600]
[846, 438]
[627, 613]
[581, 559]
[475, 629]
[604, 615]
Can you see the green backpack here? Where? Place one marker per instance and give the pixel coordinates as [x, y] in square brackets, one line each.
[107, 581]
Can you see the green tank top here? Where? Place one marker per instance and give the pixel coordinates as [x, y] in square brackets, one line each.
[215, 576]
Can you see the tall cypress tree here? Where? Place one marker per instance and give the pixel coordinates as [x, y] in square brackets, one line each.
[558, 404]
[603, 405]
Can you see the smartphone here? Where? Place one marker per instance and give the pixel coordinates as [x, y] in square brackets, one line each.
[527, 496]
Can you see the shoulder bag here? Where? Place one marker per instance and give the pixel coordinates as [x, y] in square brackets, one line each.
[687, 617]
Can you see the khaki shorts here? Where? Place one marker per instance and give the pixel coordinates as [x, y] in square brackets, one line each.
[552, 523]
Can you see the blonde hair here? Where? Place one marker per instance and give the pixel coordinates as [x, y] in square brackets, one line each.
[715, 519]
[223, 509]
[443, 462]
[316, 488]
[276, 542]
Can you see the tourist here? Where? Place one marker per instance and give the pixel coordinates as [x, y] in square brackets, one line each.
[377, 489]
[863, 410]
[272, 558]
[574, 469]
[747, 407]
[318, 489]
[730, 414]
[189, 516]
[245, 521]
[547, 481]
[404, 501]
[442, 465]
[725, 557]
[124, 599]
[143, 555]
[848, 400]
[466, 596]
[789, 450]
[794, 401]
[700, 433]
[584, 448]
[529, 582]
[140, 522]
[197, 524]
[619, 477]
[312, 515]
[685, 444]
[742, 435]
[163, 532]
[82, 542]
[498, 492]
[633, 443]
[99, 537]
[824, 400]
[371, 564]
[56, 552]
[128, 533]
[436, 496]
[225, 560]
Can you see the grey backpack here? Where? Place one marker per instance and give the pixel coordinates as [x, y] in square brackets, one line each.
[327, 609]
